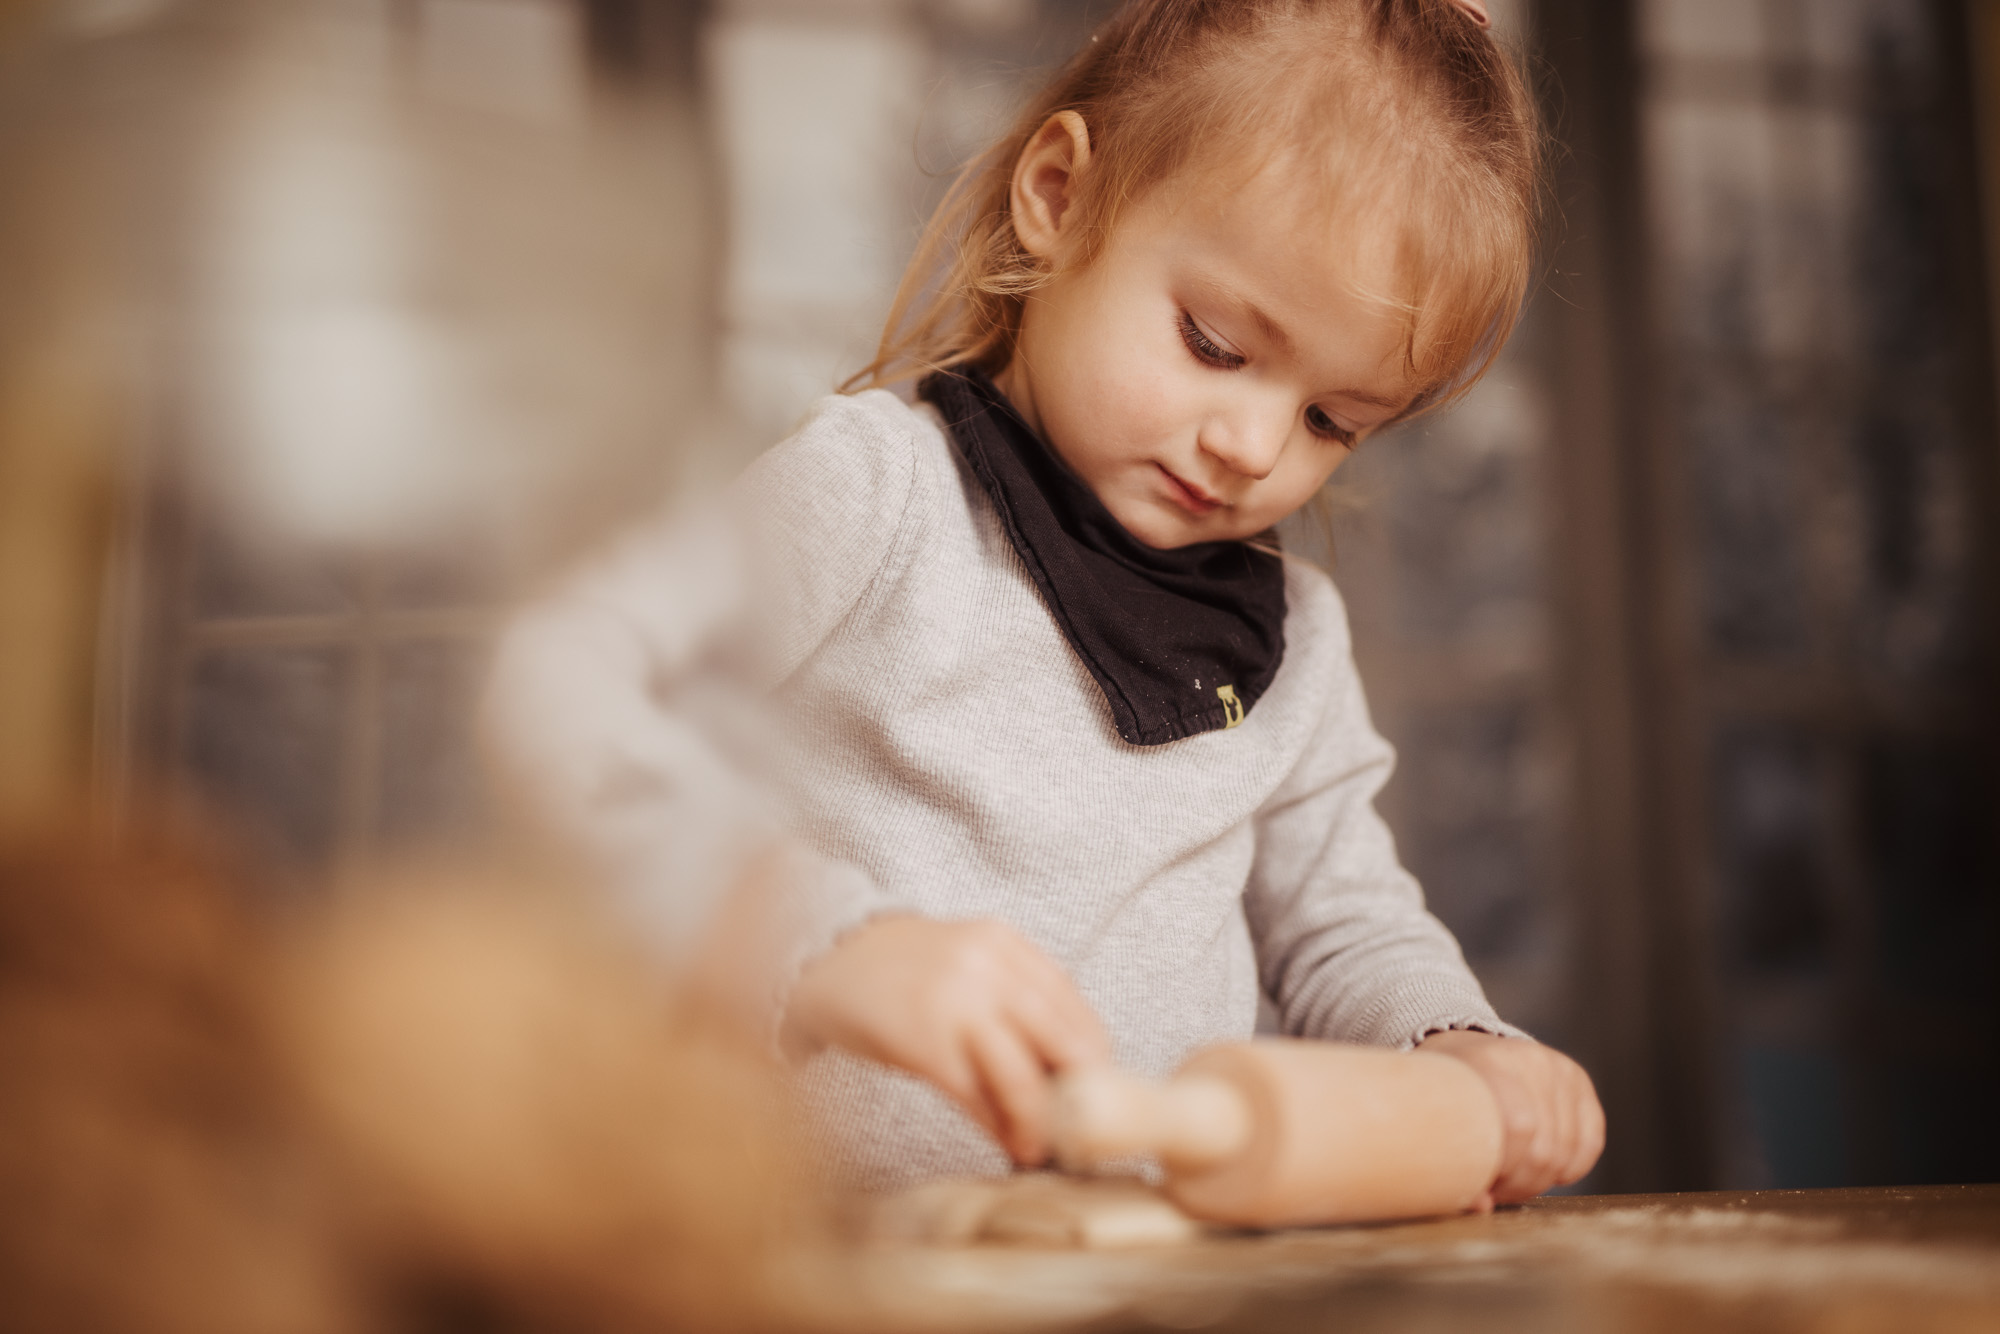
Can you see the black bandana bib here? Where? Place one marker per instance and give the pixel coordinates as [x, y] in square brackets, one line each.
[1181, 642]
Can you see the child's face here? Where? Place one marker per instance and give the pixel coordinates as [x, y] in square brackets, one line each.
[1209, 370]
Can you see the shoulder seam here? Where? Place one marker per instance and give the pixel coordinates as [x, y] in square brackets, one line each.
[894, 550]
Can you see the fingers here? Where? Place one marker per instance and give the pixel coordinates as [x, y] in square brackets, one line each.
[1045, 1001]
[1048, 1027]
[1525, 1159]
[1521, 1124]
[960, 1079]
[1007, 1086]
[1553, 1126]
[1017, 1089]
[1577, 1120]
[1059, 1023]
[1589, 1143]
[972, 1007]
[1567, 1116]
[1560, 1146]
[975, 1008]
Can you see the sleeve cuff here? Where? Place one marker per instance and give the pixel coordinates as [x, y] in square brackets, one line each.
[1426, 1001]
[1466, 1024]
[823, 901]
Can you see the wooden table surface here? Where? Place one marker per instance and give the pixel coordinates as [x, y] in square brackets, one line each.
[1921, 1260]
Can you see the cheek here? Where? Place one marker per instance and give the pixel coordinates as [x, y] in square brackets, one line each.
[1299, 478]
[1151, 406]
[1120, 396]
[1149, 380]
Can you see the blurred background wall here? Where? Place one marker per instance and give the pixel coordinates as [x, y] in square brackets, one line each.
[330, 327]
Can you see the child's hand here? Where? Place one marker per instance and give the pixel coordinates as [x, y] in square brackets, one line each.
[972, 1007]
[1552, 1124]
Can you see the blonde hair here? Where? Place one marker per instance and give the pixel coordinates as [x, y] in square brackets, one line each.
[1404, 109]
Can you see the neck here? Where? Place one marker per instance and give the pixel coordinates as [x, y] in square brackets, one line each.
[1012, 380]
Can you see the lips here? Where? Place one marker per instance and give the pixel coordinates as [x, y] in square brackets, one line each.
[1189, 496]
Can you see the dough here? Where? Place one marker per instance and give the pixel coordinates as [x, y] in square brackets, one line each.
[1034, 1209]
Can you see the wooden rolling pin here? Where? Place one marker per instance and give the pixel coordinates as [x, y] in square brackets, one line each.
[1283, 1133]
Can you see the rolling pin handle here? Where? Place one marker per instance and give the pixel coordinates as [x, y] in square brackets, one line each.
[1189, 1124]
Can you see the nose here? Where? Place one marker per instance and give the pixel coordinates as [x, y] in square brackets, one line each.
[1246, 439]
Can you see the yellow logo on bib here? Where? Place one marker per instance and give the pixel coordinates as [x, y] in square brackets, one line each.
[1232, 707]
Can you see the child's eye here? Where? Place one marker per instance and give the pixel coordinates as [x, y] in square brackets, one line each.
[1326, 427]
[1205, 349]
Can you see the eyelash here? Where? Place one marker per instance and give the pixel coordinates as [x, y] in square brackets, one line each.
[1328, 429]
[1205, 350]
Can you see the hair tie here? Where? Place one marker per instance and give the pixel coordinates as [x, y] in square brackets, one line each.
[1476, 11]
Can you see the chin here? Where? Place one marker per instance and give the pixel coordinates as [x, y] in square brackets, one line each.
[1161, 528]
[1155, 532]
[1168, 537]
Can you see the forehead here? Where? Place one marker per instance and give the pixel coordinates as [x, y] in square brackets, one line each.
[1329, 277]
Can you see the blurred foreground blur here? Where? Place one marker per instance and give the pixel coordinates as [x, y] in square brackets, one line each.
[449, 1102]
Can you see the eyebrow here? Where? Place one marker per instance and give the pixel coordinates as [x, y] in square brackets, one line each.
[1374, 400]
[1269, 327]
[1274, 331]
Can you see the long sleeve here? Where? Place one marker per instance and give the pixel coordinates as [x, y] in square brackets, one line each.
[1345, 946]
[626, 705]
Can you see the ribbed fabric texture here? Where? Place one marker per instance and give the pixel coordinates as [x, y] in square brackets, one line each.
[941, 750]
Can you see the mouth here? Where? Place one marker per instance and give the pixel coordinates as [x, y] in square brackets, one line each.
[1189, 496]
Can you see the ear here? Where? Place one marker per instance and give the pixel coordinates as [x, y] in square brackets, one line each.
[1045, 182]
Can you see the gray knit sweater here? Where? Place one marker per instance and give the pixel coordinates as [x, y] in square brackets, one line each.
[940, 749]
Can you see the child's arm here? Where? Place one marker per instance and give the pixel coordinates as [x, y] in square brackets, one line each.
[1349, 952]
[972, 1007]
[607, 697]
[577, 728]
[601, 706]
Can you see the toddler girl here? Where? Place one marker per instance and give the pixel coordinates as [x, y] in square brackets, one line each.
[1071, 764]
